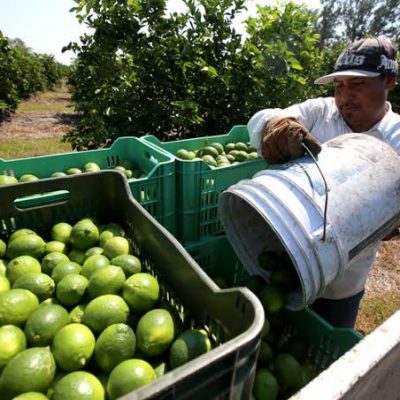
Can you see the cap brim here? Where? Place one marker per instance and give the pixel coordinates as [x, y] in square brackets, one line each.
[350, 73]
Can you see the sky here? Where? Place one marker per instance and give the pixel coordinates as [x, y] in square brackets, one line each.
[46, 26]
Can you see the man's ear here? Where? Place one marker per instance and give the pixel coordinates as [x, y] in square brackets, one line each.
[390, 82]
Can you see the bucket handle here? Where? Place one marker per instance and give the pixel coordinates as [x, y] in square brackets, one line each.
[308, 151]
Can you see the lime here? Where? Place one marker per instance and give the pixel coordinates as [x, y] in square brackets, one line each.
[115, 344]
[116, 246]
[71, 289]
[27, 245]
[128, 376]
[20, 266]
[73, 171]
[84, 234]
[61, 232]
[94, 263]
[65, 268]
[2, 268]
[288, 371]
[253, 155]
[50, 260]
[105, 310]
[28, 178]
[271, 298]
[16, 305]
[3, 248]
[12, 342]
[129, 263]
[76, 314]
[80, 385]
[187, 346]
[155, 332]
[31, 396]
[21, 232]
[106, 280]
[31, 370]
[72, 346]
[115, 228]
[141, 291]
[265, 385]
[91, 167]
[50, 300]
[218, 146]
[241, 146]
[38, 283]
[77, 256]
[266, 354]
[93, 251]
[58, 174]
[7, 180]
[55, 245]
[4, 284]
[44, 323]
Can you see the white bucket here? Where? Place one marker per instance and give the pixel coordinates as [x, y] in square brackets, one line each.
[281, 209]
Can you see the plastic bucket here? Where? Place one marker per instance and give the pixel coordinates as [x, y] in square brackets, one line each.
[284, 209]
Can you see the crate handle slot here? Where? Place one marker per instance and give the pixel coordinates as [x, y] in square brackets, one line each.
[33, 202]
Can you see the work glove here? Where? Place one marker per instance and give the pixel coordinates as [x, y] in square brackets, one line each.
[281, 140]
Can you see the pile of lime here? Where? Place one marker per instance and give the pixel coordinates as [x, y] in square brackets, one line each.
[126, 168]
[220, 155]
[80, 318]
[282, 365]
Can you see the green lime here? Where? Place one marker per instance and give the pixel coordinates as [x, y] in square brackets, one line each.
[271, 298]
[55, 245]
[7, 180]
[187, 346]
[115, 344]
[26, 245]
[265, 385]
[141, 291]
[94, 263]
[50, 260]
[61, 232]
[128, 376]
[65, 268]
[16, 305]
[44, 323]
[116, 246]
[155, 332]
[77, 256]
[71, 289]
[129, 263]
[31, 396]
[3, 267]
[91, 167]
[50, 300]
[31, 370]
[80, 385]
[288, 371]
[20, 266]
[73, 346]
[12, 342]
[84, 234]
[93, 251]
[73, 171]
[76, 314]
[21, 232]
[115, 228]
[28, 178]
[106, 280]
[105, 310]
[38, 283]
[3, 248]
[4, 284]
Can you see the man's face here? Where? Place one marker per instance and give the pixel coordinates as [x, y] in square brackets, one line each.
[361, 101]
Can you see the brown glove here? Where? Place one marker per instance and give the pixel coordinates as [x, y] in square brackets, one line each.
[281, 140]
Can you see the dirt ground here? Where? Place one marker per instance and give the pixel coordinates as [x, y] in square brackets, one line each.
[382, 296]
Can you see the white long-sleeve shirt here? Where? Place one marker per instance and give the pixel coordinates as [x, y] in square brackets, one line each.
[322, 118]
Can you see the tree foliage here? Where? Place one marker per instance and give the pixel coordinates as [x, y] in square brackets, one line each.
[23, 72]
[186, 74]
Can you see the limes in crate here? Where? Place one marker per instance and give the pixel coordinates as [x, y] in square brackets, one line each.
[128, 376]
[129, 263]
[73, 171]
[4, 284]
[114, 345]
[27, 245]
[218, 146]
[28, 178]
[116, 246]
[3, 247]
[78, 385]
[84, 234]
[209, 160]
[94, 263]
[185, 154]
[91, 167]
[188, 345]
[20, 266]
[50, 260]
[31, 396]
[44, 323]
[55, 246]
[61, 232]
[71, 289]
[73, 346]
[40, 284]
[31, 370]
[63, 269]
[12, 342]
[7, 180]
[107, 280]
[265, 386]
[16, 305]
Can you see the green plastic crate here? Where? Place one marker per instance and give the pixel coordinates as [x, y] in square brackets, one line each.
[155, 191]
[199, 185]
[232, 317]
[325, 344]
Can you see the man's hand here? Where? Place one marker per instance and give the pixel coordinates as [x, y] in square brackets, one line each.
[281, 140]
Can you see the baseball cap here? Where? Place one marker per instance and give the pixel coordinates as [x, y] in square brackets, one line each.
[369, 57]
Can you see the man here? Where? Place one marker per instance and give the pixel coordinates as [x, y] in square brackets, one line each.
[363, 76]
